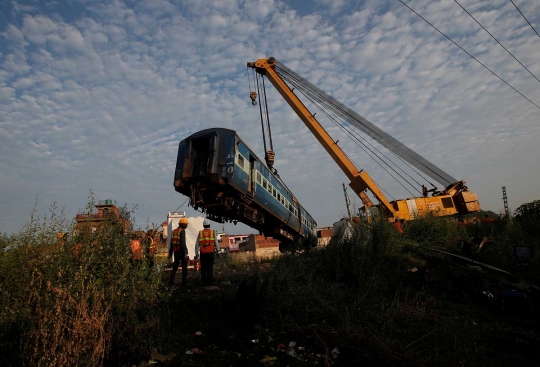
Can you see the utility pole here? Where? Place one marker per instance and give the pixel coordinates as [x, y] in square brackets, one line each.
[347, 201]
[505, 201]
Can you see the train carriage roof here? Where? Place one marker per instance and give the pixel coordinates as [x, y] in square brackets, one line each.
[230, 131]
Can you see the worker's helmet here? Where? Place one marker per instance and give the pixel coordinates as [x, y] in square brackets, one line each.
[183, 220]
[206, 223]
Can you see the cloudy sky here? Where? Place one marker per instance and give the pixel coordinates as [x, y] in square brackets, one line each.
[96, 95]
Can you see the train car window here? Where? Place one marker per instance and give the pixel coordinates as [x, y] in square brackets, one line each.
[264, 183]
[259, 178]
[241, 161]
[278, 197]
[274, 192]
[269, 188]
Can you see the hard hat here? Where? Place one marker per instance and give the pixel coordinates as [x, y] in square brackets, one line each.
[183, 220]
[206, 223]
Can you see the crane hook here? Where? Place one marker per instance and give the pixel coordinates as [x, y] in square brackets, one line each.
[253, 96]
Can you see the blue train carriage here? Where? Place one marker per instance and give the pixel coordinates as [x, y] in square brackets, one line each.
[221, 175]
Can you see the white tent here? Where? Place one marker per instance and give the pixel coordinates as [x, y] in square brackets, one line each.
[192, 231]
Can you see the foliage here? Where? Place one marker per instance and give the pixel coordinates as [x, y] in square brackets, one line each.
[75, 299]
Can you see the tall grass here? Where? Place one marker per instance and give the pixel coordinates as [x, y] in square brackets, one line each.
[74, 300]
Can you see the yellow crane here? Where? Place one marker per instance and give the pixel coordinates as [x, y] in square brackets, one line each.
[455, 198]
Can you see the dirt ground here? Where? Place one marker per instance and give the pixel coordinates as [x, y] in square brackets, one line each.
[456, 319]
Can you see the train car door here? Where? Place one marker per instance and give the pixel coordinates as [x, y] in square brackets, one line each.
[252, 183]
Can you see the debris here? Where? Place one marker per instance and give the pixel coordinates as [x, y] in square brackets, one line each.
[414, 270]
[198, 333]
[211, 288]
[153, 362]
[193, 351]
[301, 349]
[281, 346]
[143, 364]
[335, 352]
[269, 360]
[474, 323]
[255, 341]
[225, 283]
[161, 357]
[292, 344]
[292, 353]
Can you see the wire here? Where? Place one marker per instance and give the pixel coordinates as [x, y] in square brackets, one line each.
[475, 59]
[361, 123]
[181, 205]
[492, 36]
[525, 19]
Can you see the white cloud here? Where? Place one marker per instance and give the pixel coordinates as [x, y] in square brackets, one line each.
[99, 100]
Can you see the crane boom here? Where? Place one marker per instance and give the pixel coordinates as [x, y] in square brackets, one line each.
[360, 180]
[455, 198]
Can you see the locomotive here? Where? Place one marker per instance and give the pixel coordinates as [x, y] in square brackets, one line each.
[223, 177]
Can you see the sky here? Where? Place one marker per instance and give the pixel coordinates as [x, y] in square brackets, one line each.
[96, 95]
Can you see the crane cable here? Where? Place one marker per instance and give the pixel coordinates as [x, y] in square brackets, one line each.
[366, 126]
[363, 146]
[322, 101]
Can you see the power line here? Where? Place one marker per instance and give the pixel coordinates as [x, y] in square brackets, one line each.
[525, 19]
[492, 36]
[474, 58]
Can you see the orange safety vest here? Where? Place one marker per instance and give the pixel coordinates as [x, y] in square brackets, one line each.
[207, 240]
[175, 239]
[152, 246]
[136, 249]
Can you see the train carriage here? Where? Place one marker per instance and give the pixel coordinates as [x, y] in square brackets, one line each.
[220, 174]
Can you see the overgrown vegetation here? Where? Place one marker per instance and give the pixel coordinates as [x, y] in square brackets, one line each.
[74, 299]
[380, 297]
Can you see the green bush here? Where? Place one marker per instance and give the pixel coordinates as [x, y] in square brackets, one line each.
[75, 300]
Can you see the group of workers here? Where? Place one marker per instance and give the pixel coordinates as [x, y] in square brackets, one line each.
[206, 246]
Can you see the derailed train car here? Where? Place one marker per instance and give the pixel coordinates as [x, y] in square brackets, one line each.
[221, 174]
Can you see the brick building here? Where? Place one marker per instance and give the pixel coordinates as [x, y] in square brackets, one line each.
[107, 212]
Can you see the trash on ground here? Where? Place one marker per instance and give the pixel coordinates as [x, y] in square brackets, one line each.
[198, 333]
[292, 344]
[255, 341]
[269, 360]
[161, 357]
[414, 270]
[281, 346]
[335, 352]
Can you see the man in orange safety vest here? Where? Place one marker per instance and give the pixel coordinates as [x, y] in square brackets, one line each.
[179, 248]
[206, 244]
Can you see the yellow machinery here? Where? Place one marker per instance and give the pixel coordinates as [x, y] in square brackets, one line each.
[455, 198]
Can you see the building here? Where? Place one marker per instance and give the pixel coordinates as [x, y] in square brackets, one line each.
[324, 234]
[107, 212]
[262, 246]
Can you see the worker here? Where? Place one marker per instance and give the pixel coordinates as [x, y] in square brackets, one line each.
[136, 249]
[424, 191]
[397, 225]
[207, 244]
[149, 247]
[179, 248]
